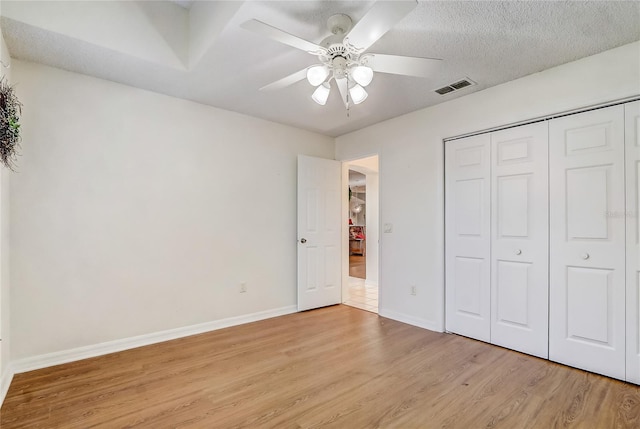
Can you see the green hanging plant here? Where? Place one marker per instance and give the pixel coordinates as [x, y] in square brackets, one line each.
[10, 111]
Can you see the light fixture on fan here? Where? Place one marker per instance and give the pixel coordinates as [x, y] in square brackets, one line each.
[317, 74]
[362, 75]
[343, 56]
[321, 93]
[357, 78]
[357, 93]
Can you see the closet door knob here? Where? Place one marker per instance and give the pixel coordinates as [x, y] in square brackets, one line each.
[303, 240]
[518, 252]
[585, 256]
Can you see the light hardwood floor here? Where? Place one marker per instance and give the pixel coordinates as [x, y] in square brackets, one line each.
[336, 367]
[358, 266]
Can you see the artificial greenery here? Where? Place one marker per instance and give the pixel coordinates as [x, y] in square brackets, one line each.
[10, 110]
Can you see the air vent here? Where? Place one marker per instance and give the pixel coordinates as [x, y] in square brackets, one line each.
[460, 84]
[445, 90]
[463, 83]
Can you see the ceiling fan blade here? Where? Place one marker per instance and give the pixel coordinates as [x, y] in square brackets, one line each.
[343, 87]
[278, 35]
[380, 19]
[286, 81]
[397, 64]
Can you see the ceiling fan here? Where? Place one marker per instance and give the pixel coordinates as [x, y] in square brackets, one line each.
[342, 57]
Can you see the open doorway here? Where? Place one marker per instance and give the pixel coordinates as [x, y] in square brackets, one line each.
[361, 288]
[357, 225]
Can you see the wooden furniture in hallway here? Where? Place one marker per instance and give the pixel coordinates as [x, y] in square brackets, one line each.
[357, 240]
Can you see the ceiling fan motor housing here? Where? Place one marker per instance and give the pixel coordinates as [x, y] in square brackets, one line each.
[339, 57]
[338, 50]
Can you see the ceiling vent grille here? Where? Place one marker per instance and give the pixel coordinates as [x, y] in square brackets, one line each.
[463, 83]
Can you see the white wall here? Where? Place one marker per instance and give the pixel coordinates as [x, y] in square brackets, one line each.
[134, 212]
[411, 166]
[5, 344]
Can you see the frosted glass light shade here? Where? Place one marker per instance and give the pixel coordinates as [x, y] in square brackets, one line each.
[363, 75]
[317, 74]
[358, 94]
[321, 94]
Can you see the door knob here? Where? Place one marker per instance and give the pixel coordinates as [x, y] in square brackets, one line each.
[303, 240]
[585, 256]
[518, 252]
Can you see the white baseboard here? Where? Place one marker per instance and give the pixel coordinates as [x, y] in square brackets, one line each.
[410, 320]
[5, 382]
[66, 356]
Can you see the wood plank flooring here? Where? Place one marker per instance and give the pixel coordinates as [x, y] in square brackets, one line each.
[336, 367]
[358, 266]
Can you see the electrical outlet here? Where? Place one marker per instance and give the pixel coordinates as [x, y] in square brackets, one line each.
[243, 287]
[414, 290]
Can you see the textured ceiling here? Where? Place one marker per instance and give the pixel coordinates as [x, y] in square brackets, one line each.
[489, 42]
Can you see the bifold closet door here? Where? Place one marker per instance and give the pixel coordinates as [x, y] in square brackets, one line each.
[519, 244]
[632, 142]
[587, 241]
[467, 234]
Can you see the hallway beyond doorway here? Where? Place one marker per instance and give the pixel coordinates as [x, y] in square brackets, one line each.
[361, 233]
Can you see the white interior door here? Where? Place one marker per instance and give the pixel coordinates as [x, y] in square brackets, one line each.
[587, 257]
[467, 233]
[519, 243]
[319, 232]
[632, 143]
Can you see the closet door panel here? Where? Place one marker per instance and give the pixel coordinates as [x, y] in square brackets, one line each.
[519, 245]
[587, 241]
[587, 199]
[467, 230]
[632, 215]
